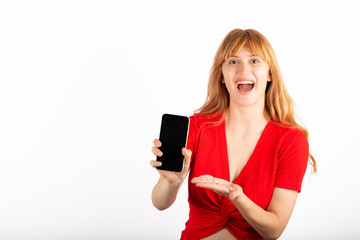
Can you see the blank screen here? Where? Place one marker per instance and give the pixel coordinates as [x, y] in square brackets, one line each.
[173, 136]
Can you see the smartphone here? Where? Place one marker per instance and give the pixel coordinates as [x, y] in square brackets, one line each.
[173, 137]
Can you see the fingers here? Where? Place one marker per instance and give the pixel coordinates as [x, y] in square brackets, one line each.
[157, 143]
[155, 149]
[203, 178]
[156, 152]
[223, 189]
[208, 179]
[154, 163]
[218, 185]
[208, 185]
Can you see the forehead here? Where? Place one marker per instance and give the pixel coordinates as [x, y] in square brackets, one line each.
[246, 49]
[243, 52]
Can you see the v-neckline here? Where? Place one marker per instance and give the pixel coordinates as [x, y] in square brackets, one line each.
[223, 130]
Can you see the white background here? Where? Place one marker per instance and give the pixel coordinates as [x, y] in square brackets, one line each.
[83, 85]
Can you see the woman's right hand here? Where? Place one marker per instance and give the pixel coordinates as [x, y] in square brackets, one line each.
[171, 177]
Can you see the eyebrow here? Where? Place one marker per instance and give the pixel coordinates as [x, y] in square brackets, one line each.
[250, 55]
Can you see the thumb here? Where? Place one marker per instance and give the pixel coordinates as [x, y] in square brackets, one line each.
[187, 154]
[235, 192]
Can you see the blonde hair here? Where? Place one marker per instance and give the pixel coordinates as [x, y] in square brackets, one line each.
[278, 103]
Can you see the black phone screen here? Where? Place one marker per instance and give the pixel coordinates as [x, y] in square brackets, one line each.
[173, 137]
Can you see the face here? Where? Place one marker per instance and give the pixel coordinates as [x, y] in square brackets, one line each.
[246, 77]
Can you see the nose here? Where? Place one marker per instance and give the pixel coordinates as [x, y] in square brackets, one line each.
[243, 68]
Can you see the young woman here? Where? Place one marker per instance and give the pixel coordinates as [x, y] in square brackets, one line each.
[246, 153]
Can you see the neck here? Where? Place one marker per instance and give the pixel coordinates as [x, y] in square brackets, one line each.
[250, 118]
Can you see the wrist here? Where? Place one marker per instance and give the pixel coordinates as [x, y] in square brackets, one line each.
[236, 196]
[173, 183]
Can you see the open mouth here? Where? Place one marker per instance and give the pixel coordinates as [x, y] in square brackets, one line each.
[245, 86]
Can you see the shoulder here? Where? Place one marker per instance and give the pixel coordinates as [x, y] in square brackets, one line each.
[283, 130]
[206, 117]
[200, 120]
[289, 138]
[198, 123]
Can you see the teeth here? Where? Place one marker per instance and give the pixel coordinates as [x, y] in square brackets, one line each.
[245, 82]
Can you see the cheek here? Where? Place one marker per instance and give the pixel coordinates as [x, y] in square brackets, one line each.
[227, 82]
[225, 76]
[228, 74]
[224, 72]
[263, 75]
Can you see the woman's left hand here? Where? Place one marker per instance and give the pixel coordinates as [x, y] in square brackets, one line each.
[218, 185]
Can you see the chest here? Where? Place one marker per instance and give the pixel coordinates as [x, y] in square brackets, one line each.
[239, 150]
[224, 155]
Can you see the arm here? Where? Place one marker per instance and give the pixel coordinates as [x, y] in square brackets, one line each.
[164, 193]
[166, 189]
[268, 223]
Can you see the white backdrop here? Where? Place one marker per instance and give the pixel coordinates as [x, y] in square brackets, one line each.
[83, 85]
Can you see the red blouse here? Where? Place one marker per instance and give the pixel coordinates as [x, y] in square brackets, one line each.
[278, 160]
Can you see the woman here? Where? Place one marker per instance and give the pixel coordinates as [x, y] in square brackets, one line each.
[246, 153]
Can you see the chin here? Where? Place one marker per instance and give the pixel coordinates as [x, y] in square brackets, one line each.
[244, 104]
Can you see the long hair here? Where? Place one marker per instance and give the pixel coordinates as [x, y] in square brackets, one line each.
[278, 103]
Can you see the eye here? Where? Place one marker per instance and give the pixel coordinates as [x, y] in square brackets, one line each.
[254, 61]
[232, 62]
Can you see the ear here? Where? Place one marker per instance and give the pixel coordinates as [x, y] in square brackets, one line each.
[222, 79]
[269, 77]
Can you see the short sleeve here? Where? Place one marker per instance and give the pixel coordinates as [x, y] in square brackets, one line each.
[193, 133]
[293, 158]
